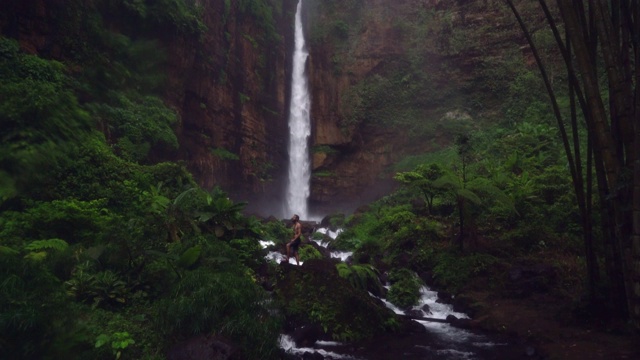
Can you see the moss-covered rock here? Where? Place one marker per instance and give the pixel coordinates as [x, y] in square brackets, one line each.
[315, 294]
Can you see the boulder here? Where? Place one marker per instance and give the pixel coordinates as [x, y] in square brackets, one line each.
[315, 295]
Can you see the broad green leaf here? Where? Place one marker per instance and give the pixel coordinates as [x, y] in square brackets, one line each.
[190, 256]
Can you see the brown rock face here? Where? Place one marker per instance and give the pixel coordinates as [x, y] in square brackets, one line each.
[231, 90]
[455, 40]
[231, 87]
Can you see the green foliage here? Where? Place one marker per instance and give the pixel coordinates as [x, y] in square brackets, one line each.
[139, 125]
[362, 276]
[190, 256]
[224, 154]
[53, 244]
[276, 231]
[422, 179]
[180, 16]
[405, 288]
[453, 271]
[38, 116]
[327, 149]
[102, 289]
[324, 174]
[226, 302]
[308, 252]
[263, 11]
[71, 220]
[319, 295]
[31, 302]
[119, 342]
[220, 214]
[248, 251]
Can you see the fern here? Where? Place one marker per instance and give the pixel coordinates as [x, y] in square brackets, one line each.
[363, 276]
[5, 250]
[50, 244]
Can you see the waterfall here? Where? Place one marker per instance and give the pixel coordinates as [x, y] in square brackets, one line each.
[299, 128]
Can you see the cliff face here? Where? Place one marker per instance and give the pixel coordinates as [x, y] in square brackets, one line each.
[229, 86]
[231, 89]
[376, 69]
[446, 48]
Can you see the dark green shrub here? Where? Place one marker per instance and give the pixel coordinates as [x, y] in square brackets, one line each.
[276, 231]
[226, 302]
[308, 252]
[405, 288]
[453, 271]
[362, 276]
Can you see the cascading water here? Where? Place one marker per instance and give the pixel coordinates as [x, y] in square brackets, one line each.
[299, 128]
[441, 341]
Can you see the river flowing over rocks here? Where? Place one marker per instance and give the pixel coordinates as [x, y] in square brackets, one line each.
[440, 332]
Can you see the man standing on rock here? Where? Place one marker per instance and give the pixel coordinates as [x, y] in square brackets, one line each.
[294, 244]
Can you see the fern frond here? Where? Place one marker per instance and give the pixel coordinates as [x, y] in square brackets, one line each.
[5, 250]
[469, 195]
[50, 244]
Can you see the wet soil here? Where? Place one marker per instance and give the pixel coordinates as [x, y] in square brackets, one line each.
[545, 323]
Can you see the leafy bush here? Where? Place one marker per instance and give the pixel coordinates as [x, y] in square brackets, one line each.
[363, 276]
[405, 288]
[139, 125]
[38, 116]
[453, 270]
[71, 220]
[276, 231]
[32, 302]
[308, 252]
[226, 302]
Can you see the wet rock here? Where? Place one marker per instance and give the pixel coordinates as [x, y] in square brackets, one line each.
[326, 253]
[463, 304]
[414, 313]
[306, 335]
[444, 298]
[460, 323]
[314, 294]
[426, 308]
[312, 356]
[333, 221]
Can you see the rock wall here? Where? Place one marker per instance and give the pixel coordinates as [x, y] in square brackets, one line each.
[231, 88]
[457, 40]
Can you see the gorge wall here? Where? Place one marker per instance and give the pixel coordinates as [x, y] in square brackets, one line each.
[388, 79]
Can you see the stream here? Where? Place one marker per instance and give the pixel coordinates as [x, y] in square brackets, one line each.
[441, 340]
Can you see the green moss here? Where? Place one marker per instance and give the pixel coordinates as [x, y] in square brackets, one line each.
[315, 292]
[308, 252]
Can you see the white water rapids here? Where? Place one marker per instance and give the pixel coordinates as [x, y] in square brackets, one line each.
[299, 128]
[450, 342]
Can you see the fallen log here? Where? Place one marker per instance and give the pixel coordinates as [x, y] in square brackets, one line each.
[426, 319]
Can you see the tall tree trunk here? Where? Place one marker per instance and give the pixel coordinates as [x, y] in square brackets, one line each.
[572, 157]
[635, 244]
[607, 31]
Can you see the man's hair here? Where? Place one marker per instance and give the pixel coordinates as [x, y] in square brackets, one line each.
[296, 217]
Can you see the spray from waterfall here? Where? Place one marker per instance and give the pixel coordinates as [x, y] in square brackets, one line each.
[299, 128]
